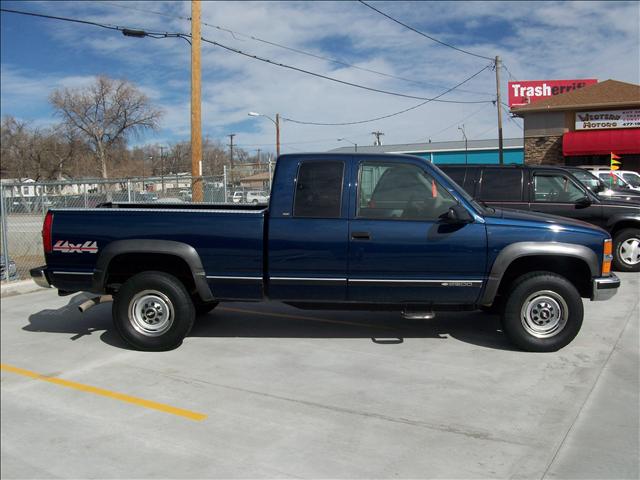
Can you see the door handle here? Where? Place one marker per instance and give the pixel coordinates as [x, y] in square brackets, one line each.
[360, 236]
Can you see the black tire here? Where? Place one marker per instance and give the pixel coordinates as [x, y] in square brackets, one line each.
[543, 312]
[628, 235]
[137, 300]
[202, 308]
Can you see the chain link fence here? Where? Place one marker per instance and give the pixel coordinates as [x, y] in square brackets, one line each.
[23, 204]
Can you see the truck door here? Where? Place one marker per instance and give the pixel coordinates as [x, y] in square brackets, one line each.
[556, 193]
[401, 249]
[308, 239]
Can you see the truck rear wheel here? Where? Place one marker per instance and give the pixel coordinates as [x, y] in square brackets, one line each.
[626, 250]
[543, 312]
[153, 311]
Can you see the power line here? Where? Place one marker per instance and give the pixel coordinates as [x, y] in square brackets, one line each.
[301, 122]
[333, 79]
[509, 73]
[233, 33]
[453, 124]
[142, 33]
[124, 30]
[422, 33]
[512, 119]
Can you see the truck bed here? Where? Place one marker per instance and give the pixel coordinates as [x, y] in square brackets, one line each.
[227, 238]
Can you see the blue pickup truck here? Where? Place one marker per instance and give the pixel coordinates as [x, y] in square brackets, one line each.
[363, 231]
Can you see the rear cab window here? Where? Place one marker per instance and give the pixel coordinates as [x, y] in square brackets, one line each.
[319, 189]
[501, 185]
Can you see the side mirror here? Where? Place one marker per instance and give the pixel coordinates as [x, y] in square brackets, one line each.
[583, 202]
[458, 214]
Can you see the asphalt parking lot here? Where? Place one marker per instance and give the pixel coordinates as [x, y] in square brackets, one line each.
[265, 390]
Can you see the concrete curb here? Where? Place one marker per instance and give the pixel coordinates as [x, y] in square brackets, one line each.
[19, 288]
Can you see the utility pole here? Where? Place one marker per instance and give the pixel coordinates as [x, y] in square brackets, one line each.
[196, 114]
[499, 105]
[277, 134]
[162, 166]
[259, 159]
[377, 135]
[231, 135]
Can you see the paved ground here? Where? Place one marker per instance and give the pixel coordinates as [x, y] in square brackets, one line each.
[288, 393]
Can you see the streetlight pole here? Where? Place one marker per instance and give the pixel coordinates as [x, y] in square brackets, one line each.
[465, 143]
[352, 143]
[276, 122]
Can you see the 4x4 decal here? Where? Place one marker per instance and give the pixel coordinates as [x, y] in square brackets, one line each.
[65, 246]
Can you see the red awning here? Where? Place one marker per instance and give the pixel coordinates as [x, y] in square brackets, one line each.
[601, 142]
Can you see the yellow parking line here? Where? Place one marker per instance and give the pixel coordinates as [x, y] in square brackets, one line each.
[106, 393]
[301, 317]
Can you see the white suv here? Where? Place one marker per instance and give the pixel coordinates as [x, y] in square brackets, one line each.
[259, 196]
[619, 178]
[238, 197]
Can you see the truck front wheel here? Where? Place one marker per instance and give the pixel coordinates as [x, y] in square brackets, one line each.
[153, 311]
[543, 312]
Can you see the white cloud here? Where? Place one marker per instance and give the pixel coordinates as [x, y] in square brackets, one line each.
[535, 40]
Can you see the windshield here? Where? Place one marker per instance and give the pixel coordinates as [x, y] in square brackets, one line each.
[612, 180]
[589, 180]
[633, 178]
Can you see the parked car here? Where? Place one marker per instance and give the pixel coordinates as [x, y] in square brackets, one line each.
[8, 272]
[602, 189]
[556, 191]
[350, 231]
[258, 196]
[616, 178]
[237, 197]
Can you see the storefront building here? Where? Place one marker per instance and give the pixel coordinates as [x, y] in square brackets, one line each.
[584, 126]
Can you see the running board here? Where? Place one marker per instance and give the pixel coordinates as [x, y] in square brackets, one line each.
[418, 315]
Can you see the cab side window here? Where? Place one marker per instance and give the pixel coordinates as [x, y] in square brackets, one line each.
[501, 185]
[400, 191]
[554, 188]
[318, 191]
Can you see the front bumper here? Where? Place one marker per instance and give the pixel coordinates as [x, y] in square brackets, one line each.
[39, 276]
[603, 288]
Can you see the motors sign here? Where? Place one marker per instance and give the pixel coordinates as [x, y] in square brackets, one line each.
[529, 91]
[609, 119]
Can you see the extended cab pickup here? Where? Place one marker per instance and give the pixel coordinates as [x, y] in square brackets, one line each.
[341, 231]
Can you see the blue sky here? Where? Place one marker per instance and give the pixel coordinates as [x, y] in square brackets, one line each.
[536, 40]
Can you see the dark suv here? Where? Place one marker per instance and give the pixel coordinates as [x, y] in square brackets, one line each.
[556, 191]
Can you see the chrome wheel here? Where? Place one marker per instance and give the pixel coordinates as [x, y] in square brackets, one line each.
[629, 251]
[151, 313]
[544, 314]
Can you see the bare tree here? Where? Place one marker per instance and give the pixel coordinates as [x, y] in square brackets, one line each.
[106, 113]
